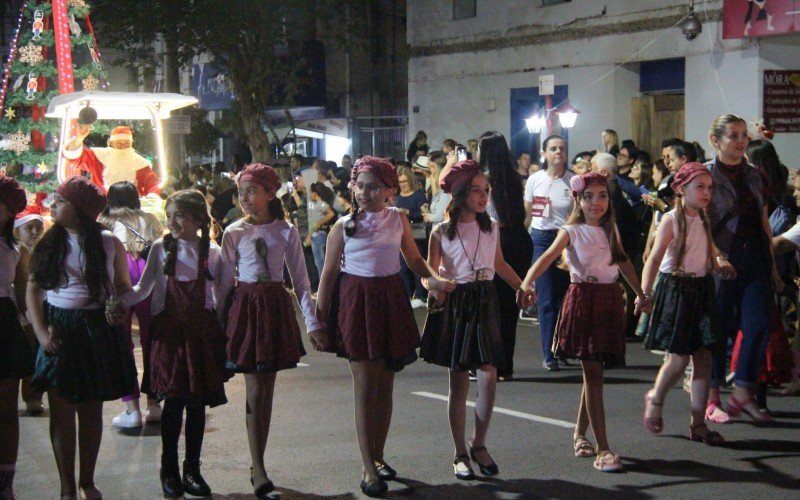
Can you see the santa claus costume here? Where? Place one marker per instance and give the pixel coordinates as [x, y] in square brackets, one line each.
[109, 165]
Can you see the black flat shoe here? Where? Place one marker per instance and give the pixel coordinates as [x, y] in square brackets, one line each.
[264, 490]
[487, 470]
[462, 468]
[171, 483]
[376, 488]
[385, 472]
[193, 482]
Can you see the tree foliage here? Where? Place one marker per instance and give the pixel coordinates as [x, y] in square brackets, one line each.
[254, 42]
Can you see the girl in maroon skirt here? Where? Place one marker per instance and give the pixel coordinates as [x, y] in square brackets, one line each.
[374, 328]
[591, 325]
[185, 363]
[262, 332]
[466, 334]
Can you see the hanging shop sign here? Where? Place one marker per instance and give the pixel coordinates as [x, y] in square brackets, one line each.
[782, 100]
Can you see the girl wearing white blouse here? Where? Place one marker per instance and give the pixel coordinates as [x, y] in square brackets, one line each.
[263, 335]
[374, 328]
[466, 334]
[185, 364]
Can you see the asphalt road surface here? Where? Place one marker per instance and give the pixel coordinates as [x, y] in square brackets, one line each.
[312, 450]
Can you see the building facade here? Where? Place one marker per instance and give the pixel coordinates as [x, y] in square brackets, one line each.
[475, 66]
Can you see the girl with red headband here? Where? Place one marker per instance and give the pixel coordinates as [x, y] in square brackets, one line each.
[591, 325]
[83, 360]
[16, 352]
[374, 328]
[685, 322]
[465, 335]
[263, 335]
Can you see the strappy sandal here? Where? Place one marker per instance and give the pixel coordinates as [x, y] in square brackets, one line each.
[711, 438]
[490, 469]
[712, 415]
[583, 448]
[749, 408]
[608, 462]
[654, 425]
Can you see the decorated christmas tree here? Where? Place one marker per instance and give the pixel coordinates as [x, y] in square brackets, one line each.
[53, 51]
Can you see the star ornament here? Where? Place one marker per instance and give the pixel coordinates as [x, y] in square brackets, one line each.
[41, 168]
[10, 114]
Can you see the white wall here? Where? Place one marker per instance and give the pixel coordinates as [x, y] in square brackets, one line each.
[452, 90]
[602, 74]
[720, 82]
[521, 16]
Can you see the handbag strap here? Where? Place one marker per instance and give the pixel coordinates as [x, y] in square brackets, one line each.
[133, 231]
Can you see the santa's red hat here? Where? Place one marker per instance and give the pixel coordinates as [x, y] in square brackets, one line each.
[31, 212]
[121, 133]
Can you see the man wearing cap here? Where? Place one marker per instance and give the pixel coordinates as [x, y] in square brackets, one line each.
[118, 162]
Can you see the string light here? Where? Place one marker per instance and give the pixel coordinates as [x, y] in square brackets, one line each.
[11, 55]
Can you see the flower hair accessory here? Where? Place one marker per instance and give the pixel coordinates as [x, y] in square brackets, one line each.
[765, 133]
[757, 129]
[579, 183]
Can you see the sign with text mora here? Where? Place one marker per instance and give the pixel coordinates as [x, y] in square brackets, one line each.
[782, 100]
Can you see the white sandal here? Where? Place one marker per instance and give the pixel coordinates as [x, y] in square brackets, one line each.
[608, 462]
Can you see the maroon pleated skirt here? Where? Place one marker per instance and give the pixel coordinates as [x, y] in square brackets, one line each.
[374, 321]
[186, 358]
[591, 325]
[263, 335]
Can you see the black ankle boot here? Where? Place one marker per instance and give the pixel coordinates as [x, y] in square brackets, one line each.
[193, 482]
[171, 482]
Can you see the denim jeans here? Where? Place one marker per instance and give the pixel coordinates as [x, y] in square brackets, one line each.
[411, 280]
[318, 240]
[550, 290]
[744, 304]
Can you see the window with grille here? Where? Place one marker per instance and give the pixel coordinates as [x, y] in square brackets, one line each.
[464, 9]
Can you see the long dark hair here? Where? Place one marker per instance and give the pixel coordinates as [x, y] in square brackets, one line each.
[324, 192]
[49, 255]
[495, 161]
[122, 194]
[460, 196]
[762, 154]
[192, 203]
[8, 233]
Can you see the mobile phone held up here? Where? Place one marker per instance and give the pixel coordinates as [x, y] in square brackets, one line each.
[461, 153]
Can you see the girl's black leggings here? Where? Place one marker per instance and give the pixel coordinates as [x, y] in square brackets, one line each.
[171, 422]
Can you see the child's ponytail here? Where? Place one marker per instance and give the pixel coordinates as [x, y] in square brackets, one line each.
[351, 226]
[275, 207]
[680, 219]
[205, 243]
[709, 239]
[170, 248]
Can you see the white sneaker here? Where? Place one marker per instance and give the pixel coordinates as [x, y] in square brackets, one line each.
[418, 303]
[128, 420]
[152, 414]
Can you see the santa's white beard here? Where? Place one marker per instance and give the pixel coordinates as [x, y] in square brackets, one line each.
[120, 165]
